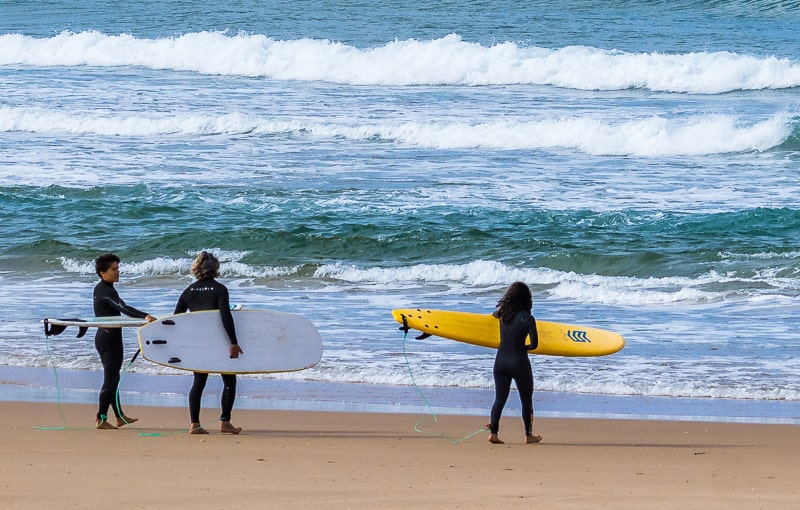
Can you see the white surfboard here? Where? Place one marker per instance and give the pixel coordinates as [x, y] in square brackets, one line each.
[98, 322]
[57, 326]
[271, 342]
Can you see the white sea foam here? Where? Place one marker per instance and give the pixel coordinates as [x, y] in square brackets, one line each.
[763, 289]
[584, 288]
[647, 137]
[707, 288]
[445, 61]
[230, 267]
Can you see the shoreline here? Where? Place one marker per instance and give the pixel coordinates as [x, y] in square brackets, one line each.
[28, 384]
[305, 459]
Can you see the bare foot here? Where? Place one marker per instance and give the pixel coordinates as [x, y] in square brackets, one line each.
[124, 420]
[227, 428]
[532, 439]
[103, 425]
[494, 439]
[196, 428]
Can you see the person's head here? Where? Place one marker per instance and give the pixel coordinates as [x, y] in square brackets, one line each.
[107, 267]
[205, 266]
[517, 297]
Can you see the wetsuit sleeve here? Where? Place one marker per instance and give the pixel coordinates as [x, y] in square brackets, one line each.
[124, 308]
[182, 305]
[533, 332]
[224, 305]
[107, 301]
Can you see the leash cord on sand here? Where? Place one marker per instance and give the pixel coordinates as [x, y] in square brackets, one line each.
[428, 404]
[119, 384]
[52, 363]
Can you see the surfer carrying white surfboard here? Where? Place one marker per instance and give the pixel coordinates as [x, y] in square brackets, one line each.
[206, 293]
[512, 361]
[108, 341]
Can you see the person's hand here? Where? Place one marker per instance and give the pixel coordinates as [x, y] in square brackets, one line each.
[235, 351]
[149, 318]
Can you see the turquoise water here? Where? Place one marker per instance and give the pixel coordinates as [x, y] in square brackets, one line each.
[635, 162]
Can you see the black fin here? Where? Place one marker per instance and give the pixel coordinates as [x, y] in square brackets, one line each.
[404, 328]
[52, 329]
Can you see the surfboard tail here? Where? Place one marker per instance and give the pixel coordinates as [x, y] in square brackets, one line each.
[56, 329]
[405, 328]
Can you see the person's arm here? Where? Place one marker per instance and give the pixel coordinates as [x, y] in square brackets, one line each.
[181, 306]
[224, 305]
[533, 332]
[120, 306]
[133, 312]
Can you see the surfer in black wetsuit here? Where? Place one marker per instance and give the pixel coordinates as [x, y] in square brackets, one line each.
[512, 362]
[108, 341]
[208, 294]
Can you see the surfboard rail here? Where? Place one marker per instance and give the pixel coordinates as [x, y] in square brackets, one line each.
[53, 327]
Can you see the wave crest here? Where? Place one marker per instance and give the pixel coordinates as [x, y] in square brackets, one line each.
[445, 61]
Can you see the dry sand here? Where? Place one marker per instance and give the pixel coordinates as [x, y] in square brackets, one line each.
[298, 459]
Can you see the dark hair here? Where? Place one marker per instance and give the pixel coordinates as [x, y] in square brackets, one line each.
[205, 266]
[104, 261]
[517, 297]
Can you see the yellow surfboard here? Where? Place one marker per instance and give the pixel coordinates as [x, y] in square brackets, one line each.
[483, 329]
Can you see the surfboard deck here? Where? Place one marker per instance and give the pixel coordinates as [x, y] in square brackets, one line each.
[555, 339]
[196, 341]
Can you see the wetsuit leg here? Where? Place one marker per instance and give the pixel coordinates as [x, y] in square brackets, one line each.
[524, 382]
[109, 347]
[196, 396]
[228, 396]
[502, 387]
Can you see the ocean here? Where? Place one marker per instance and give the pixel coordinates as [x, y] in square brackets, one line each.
[637, 163]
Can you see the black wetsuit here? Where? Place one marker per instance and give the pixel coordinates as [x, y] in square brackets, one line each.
[210, 295]
[108, 343]
[512, 363]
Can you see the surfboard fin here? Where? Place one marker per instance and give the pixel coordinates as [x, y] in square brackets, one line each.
[405, 329]
[53, 330]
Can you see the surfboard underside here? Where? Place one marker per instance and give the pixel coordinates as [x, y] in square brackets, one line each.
[196, 341]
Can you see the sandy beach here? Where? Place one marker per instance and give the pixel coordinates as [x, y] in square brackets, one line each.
[54, 458]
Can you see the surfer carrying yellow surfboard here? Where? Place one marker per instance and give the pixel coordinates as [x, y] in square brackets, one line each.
[512, 361]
